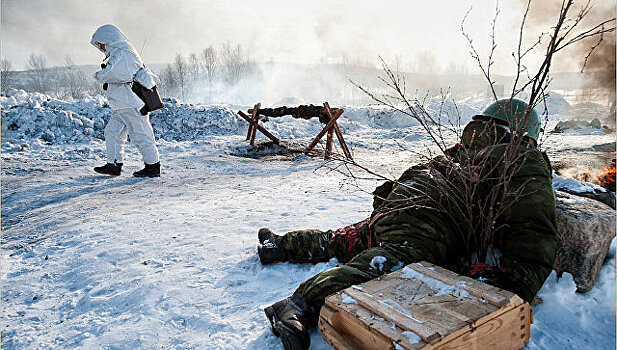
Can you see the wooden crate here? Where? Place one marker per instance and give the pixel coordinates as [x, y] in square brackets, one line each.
[424, 306]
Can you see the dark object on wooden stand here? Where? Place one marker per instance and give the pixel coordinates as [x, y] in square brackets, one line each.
[325, 114]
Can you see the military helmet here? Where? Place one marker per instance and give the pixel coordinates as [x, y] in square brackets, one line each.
[512, 111]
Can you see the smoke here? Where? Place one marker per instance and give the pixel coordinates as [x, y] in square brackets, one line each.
[601, 60]
[284, 31]
[543, 14]
[278, 84]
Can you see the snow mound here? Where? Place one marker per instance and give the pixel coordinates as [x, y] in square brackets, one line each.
[556, 104]
[181, 122]
[40, 117]
[37, 117]
[33, 118]
[573, 185]
[379, 117]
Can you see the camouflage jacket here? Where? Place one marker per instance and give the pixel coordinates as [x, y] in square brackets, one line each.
[505, 188]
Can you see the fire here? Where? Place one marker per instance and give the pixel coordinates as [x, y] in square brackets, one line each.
[607, 178]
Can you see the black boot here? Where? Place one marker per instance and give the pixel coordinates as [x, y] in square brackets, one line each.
[270, 250]
[270, 253]
[109, 169]
[151, 170]
[266, 235]
[290, 319]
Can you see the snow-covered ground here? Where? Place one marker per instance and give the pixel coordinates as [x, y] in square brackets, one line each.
[120, 262]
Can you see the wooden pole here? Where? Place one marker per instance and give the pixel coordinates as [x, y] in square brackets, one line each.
[339, 134]
[323, 131]
[259, 127]
[329, 144]
[255, 123]
[250, 131]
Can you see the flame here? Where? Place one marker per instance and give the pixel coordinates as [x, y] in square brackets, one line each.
[607, 177]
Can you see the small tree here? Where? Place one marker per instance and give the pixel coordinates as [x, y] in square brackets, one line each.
[209, 63]
[426, 62]
[181, 71]
[168, 81]
[236, 63]
[39, 79]
[193, 68]
[7, 75]
[73, 80]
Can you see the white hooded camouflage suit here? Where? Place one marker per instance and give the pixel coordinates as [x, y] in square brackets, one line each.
[123, 63]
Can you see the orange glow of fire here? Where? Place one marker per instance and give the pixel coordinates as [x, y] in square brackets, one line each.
[608, 174]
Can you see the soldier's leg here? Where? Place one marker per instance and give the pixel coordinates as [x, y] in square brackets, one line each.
[141, 133]
[401, 242]
[305, 246]
[317, 246]
[115, 137]
[292, 317]
[313, 246]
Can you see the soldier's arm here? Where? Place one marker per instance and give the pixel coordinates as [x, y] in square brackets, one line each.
[529, 241]
[119, 70]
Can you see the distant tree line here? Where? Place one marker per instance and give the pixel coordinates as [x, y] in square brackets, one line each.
[200, 75]
[66, 81]
[216, 73]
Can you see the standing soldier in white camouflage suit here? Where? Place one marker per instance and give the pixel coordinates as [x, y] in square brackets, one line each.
[117, 74]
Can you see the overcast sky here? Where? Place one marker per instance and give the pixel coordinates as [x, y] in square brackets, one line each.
[277, 30]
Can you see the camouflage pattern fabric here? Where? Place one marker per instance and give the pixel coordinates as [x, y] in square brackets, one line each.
[314, 246]
[407, 226]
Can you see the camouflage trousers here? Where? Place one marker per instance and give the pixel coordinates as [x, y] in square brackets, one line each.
[364, 256]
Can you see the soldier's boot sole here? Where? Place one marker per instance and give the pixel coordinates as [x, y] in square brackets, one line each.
[272, 313]
[270, 254]
[293, 337]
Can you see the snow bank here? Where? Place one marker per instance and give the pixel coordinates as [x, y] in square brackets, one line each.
[182, 122]
[380, 117]
[35, 116]
[40, 117]
[27, 117]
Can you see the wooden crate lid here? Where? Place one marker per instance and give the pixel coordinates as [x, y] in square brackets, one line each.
[422, 304]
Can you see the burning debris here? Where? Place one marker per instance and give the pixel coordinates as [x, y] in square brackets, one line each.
[603, 176]
[598, 184]
[607, 177]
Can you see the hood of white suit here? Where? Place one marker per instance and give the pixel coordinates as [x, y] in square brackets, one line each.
[112, 38]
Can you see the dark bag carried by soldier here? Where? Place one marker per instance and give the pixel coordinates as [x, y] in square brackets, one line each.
[150, 96]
